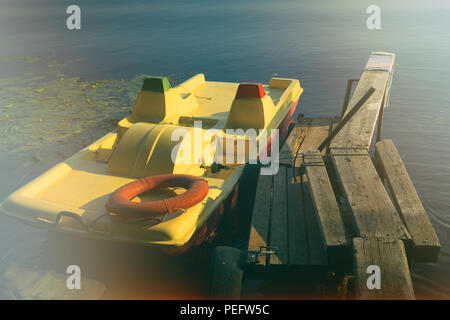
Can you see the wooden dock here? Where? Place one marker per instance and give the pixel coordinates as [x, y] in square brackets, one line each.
[342, 208]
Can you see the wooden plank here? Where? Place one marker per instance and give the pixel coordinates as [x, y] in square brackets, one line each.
[317, 253]
[372, 209]
[318, 130]
[307, 134]
[283, 217]
[361, 102]
[284, 204]
[327, 211]
[389, 255]
[297, 232]
[290, 148]
[358, 132]
[278, 220]
[259, 230]
[286, 220]
[426, 244]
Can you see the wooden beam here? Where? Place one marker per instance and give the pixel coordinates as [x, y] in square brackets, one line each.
[284, 218]
[278, 220]
[307, 134]
[358, 132]
[327, 211]
[297, 223]
[426, 244]
[293, 142]
[259, 230]
[317, 252]
[318, 130]
[389, 255]
[347, 118]
[305, 243]
[372, 209]
[303, 218]
[284, 214]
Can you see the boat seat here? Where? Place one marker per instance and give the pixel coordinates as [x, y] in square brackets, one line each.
[250, 108]
[156, 102]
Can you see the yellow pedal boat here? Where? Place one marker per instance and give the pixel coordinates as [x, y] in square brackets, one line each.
[161, 137]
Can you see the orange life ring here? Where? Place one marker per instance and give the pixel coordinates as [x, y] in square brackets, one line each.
[120, 201]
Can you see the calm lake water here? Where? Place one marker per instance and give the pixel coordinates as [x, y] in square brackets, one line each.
[49, 108]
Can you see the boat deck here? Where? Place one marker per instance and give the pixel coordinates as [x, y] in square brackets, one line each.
[215, 98]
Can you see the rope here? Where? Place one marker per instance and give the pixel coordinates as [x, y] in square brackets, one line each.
[300, 145]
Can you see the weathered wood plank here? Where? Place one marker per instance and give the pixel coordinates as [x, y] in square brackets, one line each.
[310, 245]
[347, 118]
[317, 252]
[307, 134]
[290, 148]
[389, 255]
[358, 132]
[426, 244]
[326, 208]
[284, 217]
[318, 130]
[278, 220]
[259, 230]
[372, 209]
[297, 232]
[287, 209]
